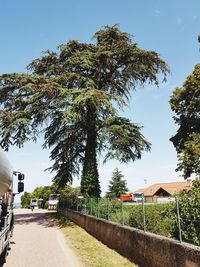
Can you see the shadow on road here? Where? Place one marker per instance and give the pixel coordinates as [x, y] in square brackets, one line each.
[34, 217]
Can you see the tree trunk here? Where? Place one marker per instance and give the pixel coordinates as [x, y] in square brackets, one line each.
[90, 186]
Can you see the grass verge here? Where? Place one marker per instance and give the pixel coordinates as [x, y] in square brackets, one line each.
[91, 251]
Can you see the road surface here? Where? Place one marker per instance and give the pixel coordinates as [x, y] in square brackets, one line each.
[36, 242]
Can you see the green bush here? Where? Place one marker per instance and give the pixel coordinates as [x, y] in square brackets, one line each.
[160, 219]
[157, 219]
[189, 209]
[103, 208]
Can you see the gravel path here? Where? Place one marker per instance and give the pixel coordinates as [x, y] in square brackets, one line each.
[38, 243]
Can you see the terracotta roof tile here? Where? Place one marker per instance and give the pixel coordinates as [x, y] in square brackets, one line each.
[171, 188]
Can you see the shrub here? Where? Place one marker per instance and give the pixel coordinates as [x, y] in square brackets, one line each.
[157, 219]
[189, 209]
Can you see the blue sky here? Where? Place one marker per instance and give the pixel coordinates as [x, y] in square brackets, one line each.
[167, 27]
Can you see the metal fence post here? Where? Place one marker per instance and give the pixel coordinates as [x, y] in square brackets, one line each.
[98, 211]
[67, 206]
[91, 206]
[143, 213]
[178, 219]
[122, 212]
[77, 205]
[108, 210]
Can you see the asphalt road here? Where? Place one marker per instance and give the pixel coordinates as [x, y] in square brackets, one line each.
[36, 242]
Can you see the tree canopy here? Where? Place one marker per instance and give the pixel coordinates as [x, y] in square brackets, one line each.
[72, 97]
[117, 185]
[185, 102]
[43, 192]
[25, 199]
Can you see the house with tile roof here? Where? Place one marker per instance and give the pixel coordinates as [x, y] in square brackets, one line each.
[164, 192]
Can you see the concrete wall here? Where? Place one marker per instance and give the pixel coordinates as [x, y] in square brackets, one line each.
[144, 249]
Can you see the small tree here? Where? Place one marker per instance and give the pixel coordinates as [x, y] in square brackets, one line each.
[25, 200]
[117, 185]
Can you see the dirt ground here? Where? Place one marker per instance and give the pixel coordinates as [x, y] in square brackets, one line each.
[36, 242]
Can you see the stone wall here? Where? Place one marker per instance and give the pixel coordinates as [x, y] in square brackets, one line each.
[144, 249]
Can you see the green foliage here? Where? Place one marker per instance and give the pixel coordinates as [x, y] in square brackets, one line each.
[72, 96]
[156, 216]
[38, 192]
[124, 140]
[185, 102]
[189, 156]
[68, 195]
[25, 200]
[117, 185]
[43, 192]
[100, 207]
[160, 219]
[189, 206]
[90, 185]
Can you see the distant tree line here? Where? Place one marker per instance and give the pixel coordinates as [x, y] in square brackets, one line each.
[43, 192]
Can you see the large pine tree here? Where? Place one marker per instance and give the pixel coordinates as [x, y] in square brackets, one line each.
[72, 96]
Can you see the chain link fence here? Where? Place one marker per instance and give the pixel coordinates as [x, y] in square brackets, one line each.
[163, 219]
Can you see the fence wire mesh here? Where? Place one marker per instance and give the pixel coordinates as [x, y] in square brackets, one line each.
[163, 219]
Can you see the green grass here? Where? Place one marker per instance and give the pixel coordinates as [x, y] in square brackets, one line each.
[91, 251]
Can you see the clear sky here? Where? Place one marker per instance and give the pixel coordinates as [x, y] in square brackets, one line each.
[167, 27]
